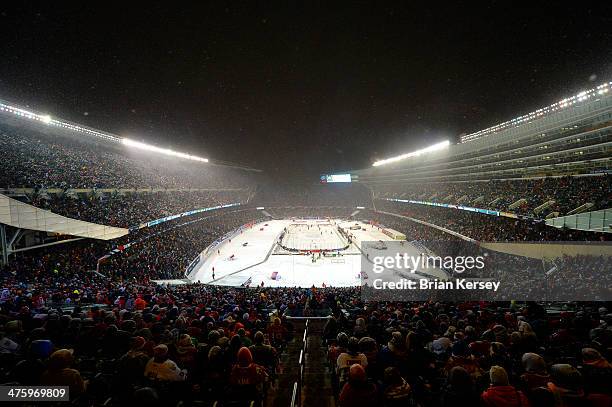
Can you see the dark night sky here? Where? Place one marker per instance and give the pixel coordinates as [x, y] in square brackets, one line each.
[299, 89]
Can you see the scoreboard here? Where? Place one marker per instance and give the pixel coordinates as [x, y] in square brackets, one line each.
[332, 178]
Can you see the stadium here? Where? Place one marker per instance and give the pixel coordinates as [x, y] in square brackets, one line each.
[475, 270]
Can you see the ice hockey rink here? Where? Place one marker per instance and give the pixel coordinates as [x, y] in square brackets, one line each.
[253, 255]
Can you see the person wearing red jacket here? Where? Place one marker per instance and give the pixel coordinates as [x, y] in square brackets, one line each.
[501, 393]
[247, 378]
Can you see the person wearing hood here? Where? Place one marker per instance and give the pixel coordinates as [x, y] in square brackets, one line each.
[501, 393]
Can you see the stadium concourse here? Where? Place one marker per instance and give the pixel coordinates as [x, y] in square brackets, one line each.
[86, 311]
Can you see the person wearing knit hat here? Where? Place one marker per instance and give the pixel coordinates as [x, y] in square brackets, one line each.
[597, 372]
[501, 393]
[334, 350]
[441, 345]
[161, 368]
[186, 352]
[498, 376]
[60, 373]
[245, 357]
[277, 332]
[350, 357]
[358, 391]
[246, 377]
[138, 342]
[461, 357]
[396, 391]
[566, 384]
[263, 354]
[535, 375]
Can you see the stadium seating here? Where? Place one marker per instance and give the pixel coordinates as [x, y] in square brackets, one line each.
[31, 159]
[94, 315]
[536, 197]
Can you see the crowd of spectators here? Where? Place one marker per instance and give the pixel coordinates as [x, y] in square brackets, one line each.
[112, 333]
[488, 228]
[198, 342]
[130, 210]
[567, 192]
[160, 252]
[310, 213]
[166, 254]
[450, 354]
[191, 342]
[349, 195]
[30, 159]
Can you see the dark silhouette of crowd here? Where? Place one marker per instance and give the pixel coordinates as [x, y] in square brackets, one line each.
[131, 210]
[302, 194]
[31, 159]
[449, 354]
[566, 192]
[488, 228]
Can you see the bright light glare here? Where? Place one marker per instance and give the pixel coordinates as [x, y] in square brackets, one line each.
[434, 147]
[562, 104]
[45, 119]
[148, 147]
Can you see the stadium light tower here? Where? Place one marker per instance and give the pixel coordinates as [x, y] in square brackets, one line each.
[143, 146]
[434, 147]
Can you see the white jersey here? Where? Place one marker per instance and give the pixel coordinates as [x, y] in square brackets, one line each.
[166, 371]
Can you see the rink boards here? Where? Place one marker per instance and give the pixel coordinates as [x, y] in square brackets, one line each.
[249, 257]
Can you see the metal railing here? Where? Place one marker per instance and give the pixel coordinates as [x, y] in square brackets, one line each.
[296, 397]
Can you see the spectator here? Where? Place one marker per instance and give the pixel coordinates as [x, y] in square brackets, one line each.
[358, 392]
[60, 373]
[247, 377]
[459, 390]
[396, 391]
[566, 386]
[160, 368]
[351, 357]
[501, 393]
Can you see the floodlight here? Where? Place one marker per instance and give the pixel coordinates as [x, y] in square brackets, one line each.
[166, 151]
[435, 147]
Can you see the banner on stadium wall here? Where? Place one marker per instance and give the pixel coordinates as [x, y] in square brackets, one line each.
[463, 208]
[192, 265]
[180, 215]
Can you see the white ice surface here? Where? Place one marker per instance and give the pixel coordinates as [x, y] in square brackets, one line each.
[257, 260]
